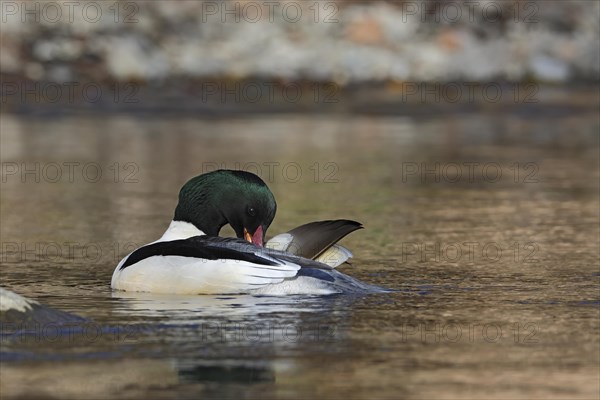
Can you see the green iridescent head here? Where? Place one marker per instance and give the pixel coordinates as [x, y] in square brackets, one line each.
[238, 198]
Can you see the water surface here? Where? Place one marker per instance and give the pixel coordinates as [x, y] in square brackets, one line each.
[486, 224]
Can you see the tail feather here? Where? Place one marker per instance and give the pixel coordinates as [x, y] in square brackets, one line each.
[341, 283]
[317, 241]
[312, 240]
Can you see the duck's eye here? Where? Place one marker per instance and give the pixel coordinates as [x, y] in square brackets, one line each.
[251, 211]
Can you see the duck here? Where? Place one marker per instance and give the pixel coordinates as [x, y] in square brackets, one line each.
[191, 258]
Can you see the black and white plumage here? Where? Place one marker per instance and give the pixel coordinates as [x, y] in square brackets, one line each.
[187, 261]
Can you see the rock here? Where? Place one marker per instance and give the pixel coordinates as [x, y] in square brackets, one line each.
[18, 312]
[549, 69]
[128, 58]
[346, 42]
[10, 61]
[365, 31]
[34, 71]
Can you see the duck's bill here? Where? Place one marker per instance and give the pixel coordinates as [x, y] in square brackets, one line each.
[256, 238]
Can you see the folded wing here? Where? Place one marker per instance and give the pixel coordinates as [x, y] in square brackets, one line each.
[206, 265]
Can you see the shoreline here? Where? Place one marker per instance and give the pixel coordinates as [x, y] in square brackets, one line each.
[228, 97]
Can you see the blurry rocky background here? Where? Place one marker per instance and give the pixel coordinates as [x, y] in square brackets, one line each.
[177, 45]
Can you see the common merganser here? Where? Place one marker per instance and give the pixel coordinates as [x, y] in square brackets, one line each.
[190, 257]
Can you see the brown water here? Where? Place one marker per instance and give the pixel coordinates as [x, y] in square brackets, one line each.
[497, 276]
